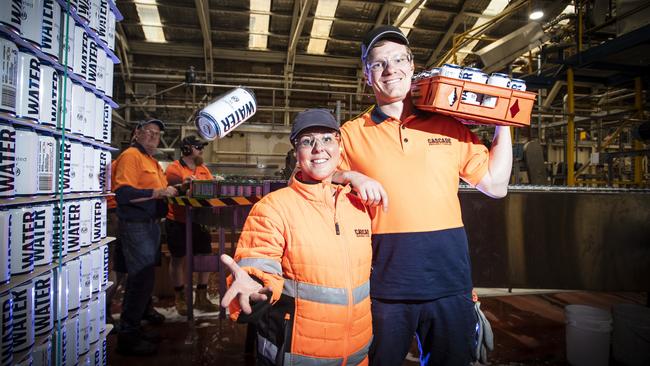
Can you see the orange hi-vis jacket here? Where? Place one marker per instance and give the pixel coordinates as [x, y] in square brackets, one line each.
[176, 173]
[314, 252]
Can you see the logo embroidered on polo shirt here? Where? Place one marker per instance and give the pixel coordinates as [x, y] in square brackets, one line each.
[362, 233]
[439, 141]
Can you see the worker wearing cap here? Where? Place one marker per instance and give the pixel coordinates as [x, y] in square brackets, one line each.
[140, 189]
[421, 276]
[306, 248]
[189, 167]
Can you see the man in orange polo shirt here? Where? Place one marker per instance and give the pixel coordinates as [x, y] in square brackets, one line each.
[421, 281]
[140, 189]
[190, 166]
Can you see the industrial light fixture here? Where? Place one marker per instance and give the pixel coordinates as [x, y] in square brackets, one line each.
[536, 14]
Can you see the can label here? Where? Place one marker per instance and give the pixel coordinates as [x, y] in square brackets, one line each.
[518, 84]
[61, 291]
[12, 18]
[73, 225]
[74, 283]
[110, 30]
[67, 58]
[29, 75]
[226, 113]
[26, 163]
[23, 316]
[80, 52]
[43, 304]
[89, 169]
[42, 235]
[106, 123]
[67, 156]
[86, 277]
[105, 277]
[50, 34]
[101, 70]
[59, 233]
[450, 71]
[85, 229]
[92, 61]
[46, 164]
[48, 95]
[97, 221]
[22, 240]
[42, 353]
[89, 115]
[78, 111]
[32, 21]
[103, 170]
[83, 8]
[76, 167]
[7, 161]
[72, 341]
[108, 77]
[104, 216]
[9, 76]
[102, 20]
[7, 336]
[5, 236]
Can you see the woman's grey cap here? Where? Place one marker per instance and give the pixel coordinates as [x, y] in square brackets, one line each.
[316, 117]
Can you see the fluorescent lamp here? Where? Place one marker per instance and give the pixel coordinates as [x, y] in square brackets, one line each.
[150, 21]
[536, 14]
[259, 23]
[321, 27]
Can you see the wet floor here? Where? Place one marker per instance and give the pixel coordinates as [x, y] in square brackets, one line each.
[528, 330]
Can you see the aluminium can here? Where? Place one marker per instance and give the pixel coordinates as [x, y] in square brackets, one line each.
[46, 164]
[51, 28]
[43, 230]
[78, 111]
[44, 303]
[21, 248]
[27, 87]
[6, 328]
[73, 225]
[7, 161]
[5, 240]
[42, 354]
[225, 113]
[8, 75]
[26, 162]
[76, 167]
[80, 59]
[86, 277]
[84, 327]
[74, 283]
[450, 71]
[48, 95]
[89, 114]
[23, 316]
[59, 231]
[11, 16]
[518, 84]
[31, 25]
[496, 79]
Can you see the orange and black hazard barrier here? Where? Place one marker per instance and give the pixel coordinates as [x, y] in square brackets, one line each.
[214, 202]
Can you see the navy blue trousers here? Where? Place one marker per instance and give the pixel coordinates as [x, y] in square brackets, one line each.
[445, 329]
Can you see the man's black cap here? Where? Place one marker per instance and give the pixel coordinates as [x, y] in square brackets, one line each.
[316, 117]
[156, 121]
[192, 140]
[379, 33]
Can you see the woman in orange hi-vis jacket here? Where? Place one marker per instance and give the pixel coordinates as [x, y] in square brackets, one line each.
[303, 260]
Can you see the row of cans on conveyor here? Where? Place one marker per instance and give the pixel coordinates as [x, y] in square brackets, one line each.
[73, 293]
[232, 188]
[32, 236]
[477, 76]
[30, 167]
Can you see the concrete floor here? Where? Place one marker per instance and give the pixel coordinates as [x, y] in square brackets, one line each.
[528, 329]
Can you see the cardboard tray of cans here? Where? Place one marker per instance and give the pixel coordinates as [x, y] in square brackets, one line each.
[443, 95]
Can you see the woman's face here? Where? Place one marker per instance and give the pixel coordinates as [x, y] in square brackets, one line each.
[318, 153]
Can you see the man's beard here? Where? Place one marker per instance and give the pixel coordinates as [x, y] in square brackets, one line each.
[198, 160]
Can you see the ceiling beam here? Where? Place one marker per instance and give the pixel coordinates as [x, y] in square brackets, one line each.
[300, 11]
[203, 13]
[409, 10]
[450, 32]
[184, 50]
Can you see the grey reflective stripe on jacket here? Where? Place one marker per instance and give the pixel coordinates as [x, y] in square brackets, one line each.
[270, 351]
[263, 264]
[323, 294]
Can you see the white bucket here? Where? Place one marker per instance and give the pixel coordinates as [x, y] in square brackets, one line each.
[83, 8]
[7, 161]
[74, 283]
[76, 167]
[61, 291]
[80, 62]
[8, 75]
[48, 96]
[108, 77]
[85, 228]
[43, 303]
[91, 75]
[97, 268]
[88, 168]
[32, 22]
[86, 277]
[46, 164]
[72, 341]
[42, 354]
[587, 335]
[631, 337]
[28, 80]
[84, 330]
[225, 113]
[6, 328]
[11, 16]
[102, 20]
[5, 232]
[67, 157]
[96, 223]
[97, 170]
[89, 115]
[26, 162]
[104, 217]
[78, 109]
[73, 225]
[98, 120]
[59, 231]
[51, 30]
[43, 231]
[22, 240]
[23, 316]
[106, 123]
